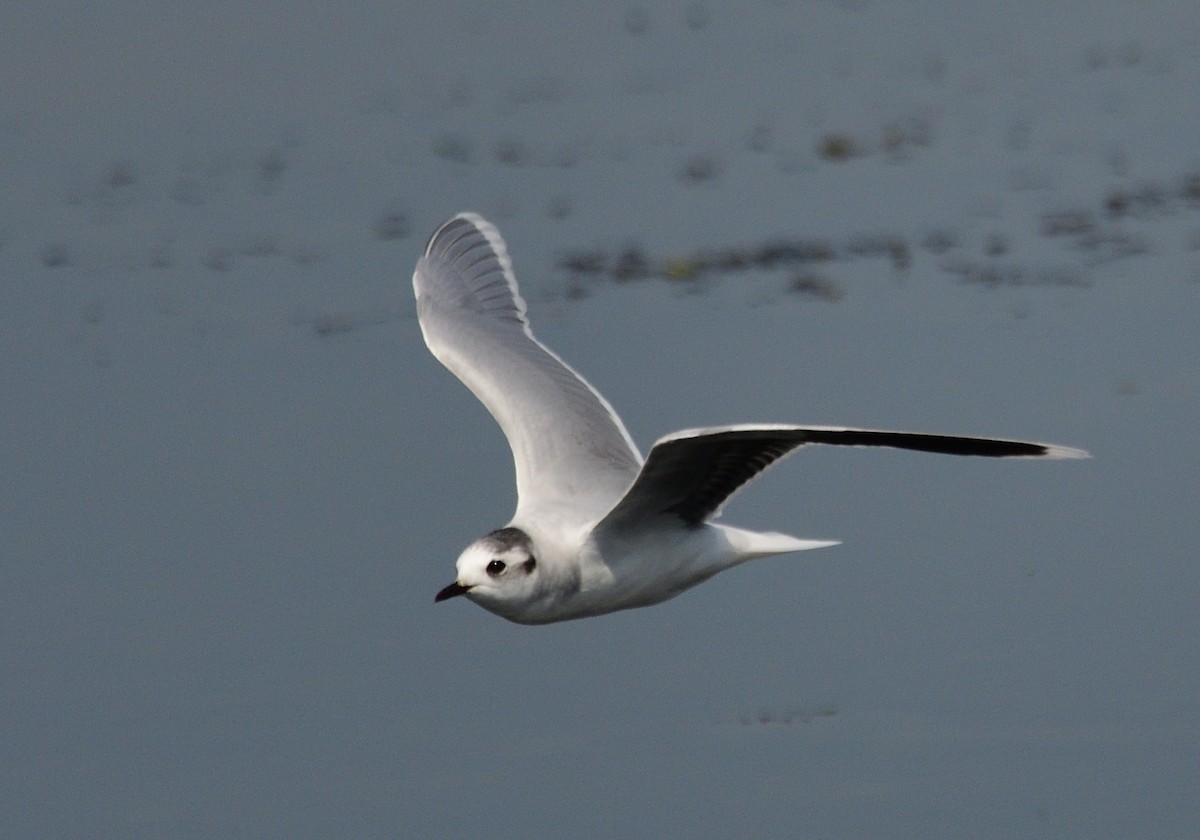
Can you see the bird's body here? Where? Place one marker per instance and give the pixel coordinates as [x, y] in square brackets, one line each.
[581, 575]
[597, 529]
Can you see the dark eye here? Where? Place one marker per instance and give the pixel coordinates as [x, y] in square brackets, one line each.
[495, 567]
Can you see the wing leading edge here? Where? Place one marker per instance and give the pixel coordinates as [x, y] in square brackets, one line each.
[570, 449]
[692, 473]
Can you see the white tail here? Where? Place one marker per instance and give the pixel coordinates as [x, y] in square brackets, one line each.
[752, 544]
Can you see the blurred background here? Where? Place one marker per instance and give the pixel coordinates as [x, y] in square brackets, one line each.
[232, 478]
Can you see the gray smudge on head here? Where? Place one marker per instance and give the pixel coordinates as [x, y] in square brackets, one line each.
[505, 538]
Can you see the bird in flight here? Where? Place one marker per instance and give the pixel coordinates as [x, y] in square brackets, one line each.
[598, 529]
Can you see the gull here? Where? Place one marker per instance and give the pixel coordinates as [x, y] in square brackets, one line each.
[598, 529]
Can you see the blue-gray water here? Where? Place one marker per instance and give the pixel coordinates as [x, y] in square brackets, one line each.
[233, 478]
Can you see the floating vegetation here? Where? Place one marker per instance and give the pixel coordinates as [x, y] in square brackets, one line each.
[1067, 223]
[838, 148]
[120, 175]
[270, 169]
[106, 192]
[584, 262]
[218, 259]
[340, 323]
[789, 716]
[259, 245]
[1189, 189]
[897, 140]
[759, 139]
[699, 169]
[681, 269]
[992, 274]
[511, 152]
[902, 135]
[1111, 244]
[1123, 55]
[1101, 233]
[391, 224]
[1140, 202]
[893, 247]
[455, 148]
[799, 257]
[538, 89]
[55, 255]
[816, 286]
[633, 263]
[940, 241]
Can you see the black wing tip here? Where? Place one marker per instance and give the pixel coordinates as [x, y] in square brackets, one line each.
[736, 456]
[940, 444]
[999, 448]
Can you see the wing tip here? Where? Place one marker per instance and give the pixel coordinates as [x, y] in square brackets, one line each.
[486, 229]
[1053, 450]
[1001, 447]
[472, 247]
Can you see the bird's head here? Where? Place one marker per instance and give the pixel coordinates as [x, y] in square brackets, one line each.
[499, 572]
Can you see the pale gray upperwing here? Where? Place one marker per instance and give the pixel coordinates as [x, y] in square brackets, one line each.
[572, 453]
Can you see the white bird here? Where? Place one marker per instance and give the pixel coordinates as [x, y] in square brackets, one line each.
[597, 529]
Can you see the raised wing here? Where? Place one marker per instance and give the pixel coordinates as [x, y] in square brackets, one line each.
[690, 474]
[571, 450]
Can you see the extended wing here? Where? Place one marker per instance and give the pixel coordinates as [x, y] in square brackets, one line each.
[690, 474]
[571, 450]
